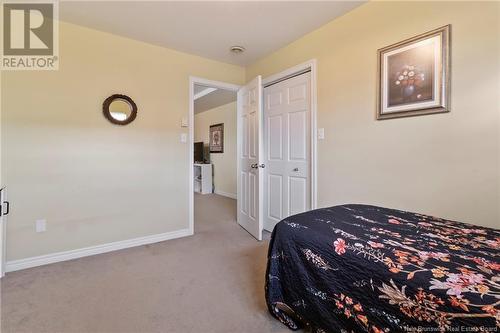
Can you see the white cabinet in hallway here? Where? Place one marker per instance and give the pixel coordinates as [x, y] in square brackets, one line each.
[203, 182]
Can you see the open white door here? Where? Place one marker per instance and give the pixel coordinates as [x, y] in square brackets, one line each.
[250, 173]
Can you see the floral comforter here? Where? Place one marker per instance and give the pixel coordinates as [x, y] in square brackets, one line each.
[357, 268]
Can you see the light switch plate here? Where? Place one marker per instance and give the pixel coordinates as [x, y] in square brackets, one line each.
[184, 137]
[321, 133]
[184, 122]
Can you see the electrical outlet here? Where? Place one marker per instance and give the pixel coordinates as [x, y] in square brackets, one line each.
[40, 225]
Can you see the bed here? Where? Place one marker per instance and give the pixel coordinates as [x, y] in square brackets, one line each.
[359, 268]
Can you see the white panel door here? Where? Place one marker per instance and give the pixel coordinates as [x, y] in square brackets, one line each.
[250, 165]
[287, 124]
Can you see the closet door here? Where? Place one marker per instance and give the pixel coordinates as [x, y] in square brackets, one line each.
[287, 125]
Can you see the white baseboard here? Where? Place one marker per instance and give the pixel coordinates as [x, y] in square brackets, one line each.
[15, 265]
[226, 194]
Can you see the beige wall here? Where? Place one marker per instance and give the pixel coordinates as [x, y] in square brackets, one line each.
[446, 164]
[224, 165]
[96, 182]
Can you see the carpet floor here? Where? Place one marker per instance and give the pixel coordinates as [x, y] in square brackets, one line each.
[210, 282]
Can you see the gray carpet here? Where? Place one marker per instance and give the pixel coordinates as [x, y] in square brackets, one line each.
[210, 282]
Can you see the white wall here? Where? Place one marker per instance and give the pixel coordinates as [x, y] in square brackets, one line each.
[446, 164]
[224, 165]
[93, 181]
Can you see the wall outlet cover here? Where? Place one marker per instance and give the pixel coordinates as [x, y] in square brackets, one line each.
[40, 225]
[321, 133]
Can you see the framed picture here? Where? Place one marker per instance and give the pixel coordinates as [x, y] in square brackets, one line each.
[217, 138]
[414, 76]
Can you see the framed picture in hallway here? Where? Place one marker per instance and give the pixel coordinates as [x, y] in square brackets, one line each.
[217, 138]
[414, 76]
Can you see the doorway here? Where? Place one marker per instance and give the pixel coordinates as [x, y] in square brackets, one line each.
[212, 140]
[287, 137]
[290, 102]
[265, 195]
[277, 148]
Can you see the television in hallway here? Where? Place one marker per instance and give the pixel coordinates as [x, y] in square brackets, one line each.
[198, 152]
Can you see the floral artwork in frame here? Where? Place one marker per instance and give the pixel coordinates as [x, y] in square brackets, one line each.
[414, 76]
[217, 138]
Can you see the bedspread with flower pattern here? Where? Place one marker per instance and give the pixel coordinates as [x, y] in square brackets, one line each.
[358, 268]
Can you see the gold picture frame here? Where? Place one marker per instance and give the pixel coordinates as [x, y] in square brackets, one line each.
[414, 76]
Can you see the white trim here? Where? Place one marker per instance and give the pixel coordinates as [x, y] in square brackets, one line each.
[239, 134]
[209, 83]
[204, 92]
[3, 232]
[312, 65]
[16, 265]
[314, 133]
[226, 194]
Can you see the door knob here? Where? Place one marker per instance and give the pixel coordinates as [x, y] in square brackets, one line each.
[296, 169]
[262, 166]
[254, 166]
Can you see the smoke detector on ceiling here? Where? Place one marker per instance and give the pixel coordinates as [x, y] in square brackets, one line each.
[236, 49]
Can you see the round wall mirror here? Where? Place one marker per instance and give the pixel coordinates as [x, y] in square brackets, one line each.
[119, 109]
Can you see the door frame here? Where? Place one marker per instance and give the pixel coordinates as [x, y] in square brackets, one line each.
[3, 231]
[310, 65]
[193, 80]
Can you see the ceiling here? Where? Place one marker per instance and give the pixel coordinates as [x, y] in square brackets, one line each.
[207, 28]
[211, 98]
